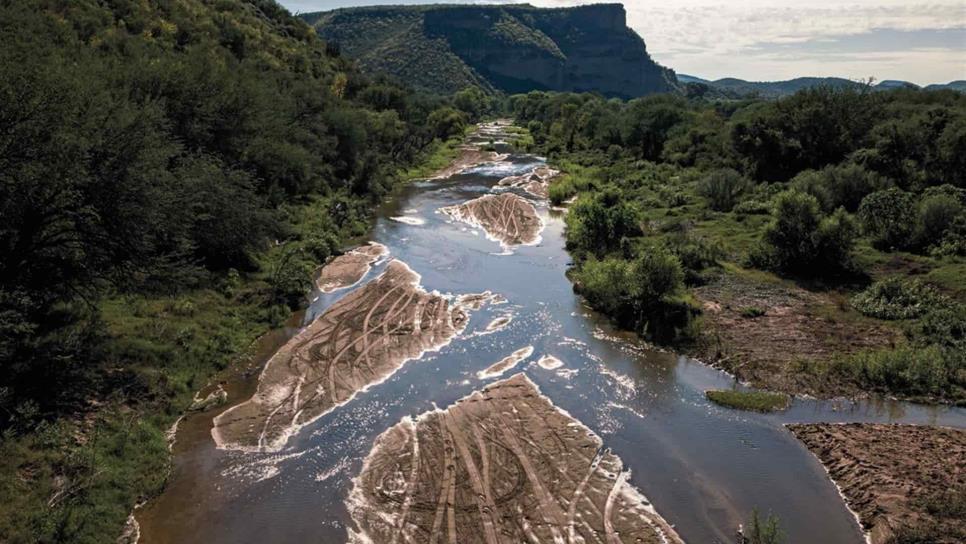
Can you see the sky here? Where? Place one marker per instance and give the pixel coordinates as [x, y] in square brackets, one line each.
[759, 40]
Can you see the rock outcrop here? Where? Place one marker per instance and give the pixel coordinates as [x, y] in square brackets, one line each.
[507, 48]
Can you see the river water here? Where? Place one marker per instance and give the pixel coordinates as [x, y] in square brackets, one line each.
[704, 467]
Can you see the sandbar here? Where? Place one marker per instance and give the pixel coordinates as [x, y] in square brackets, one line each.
[500, 466]
[507, 218]
[360, 341]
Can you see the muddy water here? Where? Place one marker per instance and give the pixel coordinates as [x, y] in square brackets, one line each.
[704, 467]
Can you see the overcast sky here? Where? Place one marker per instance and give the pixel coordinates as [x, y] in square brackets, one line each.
[922, 42]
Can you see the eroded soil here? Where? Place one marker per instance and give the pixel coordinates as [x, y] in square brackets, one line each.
[901, 480]
[502, 465]
[346, 270]
[362, 339]
[508, 218]
[796, 325]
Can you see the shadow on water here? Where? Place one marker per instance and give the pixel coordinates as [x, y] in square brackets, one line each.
[704, 467]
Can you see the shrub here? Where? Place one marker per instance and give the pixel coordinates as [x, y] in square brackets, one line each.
[896, 298]
[799, 239]
[598, 224]
[723, 188]
[751, 312]
[937, 213]
[888, 218]
[842, 185]
[915, 371]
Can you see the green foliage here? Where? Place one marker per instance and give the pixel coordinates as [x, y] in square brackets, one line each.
[640, 294]
[757, 401]
[888, 218]
[598, 223]
[838, 186]
[764, 531]
[723, 189]
[752, 312]
[800, 239]
[896, 298]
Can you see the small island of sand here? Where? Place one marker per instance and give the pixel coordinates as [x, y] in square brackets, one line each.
[502, 465]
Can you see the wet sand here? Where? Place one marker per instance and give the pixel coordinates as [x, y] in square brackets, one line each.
[507, 218]
[896, 478]
[361, 340]
[500, 367]
[346, 270]
[502, 465]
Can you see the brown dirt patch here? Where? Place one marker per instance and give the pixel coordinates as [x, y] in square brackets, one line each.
[360, 340]
[502, 465]
[797, 325]
[899, 479]
[348, 269]
[508, 218]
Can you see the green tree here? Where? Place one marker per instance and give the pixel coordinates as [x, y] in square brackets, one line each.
[888, 217]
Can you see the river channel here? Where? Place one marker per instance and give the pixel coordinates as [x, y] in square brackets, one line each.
[702, 466]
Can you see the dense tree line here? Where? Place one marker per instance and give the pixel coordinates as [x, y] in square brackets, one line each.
[152, 147]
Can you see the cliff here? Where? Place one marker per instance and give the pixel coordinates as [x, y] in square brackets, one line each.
[514, 48]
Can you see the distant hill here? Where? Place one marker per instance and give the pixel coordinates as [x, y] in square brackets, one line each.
[512, 48]
[775, 89]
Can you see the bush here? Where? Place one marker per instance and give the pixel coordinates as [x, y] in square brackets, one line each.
[888, 218]
[842, 185]
[799, 239]
[723, 188]
[896, 298]
[937, 214]
[597, 224]
[916, 371]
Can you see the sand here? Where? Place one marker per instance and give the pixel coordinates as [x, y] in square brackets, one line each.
[536, 182]
[507, 218]
[500, 367]
[346, 270]
[502, 465]
[896, 478]
[360, 341]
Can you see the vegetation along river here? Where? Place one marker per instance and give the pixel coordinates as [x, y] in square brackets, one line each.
[286, 462]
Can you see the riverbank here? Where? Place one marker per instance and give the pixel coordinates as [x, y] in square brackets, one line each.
[83, 475]
[904, 482]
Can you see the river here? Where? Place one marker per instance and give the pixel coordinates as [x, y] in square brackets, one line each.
[704, 467]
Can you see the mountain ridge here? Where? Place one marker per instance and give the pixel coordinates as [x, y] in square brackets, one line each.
[510, 48]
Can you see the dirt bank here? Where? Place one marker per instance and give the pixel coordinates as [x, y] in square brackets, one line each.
[348, 269]
[502, 465]
[906, 483]
[359, 341]
[507, 218]
[761, 331]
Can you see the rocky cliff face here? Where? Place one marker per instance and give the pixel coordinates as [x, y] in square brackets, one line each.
[507, 48]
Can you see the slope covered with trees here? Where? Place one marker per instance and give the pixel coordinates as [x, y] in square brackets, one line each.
[170, 174]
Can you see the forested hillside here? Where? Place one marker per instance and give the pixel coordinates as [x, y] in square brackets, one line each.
[816, 243]
[170, 173]
[444, 48]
